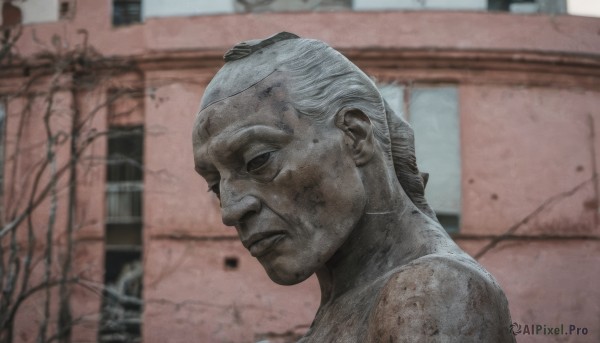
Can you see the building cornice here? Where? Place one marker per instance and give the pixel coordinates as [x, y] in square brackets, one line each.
[516, 67]
[530, 68]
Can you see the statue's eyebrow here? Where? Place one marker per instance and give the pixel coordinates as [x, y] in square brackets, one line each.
[227, 144]
[201, 166]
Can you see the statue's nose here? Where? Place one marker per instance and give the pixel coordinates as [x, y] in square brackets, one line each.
[236, 208]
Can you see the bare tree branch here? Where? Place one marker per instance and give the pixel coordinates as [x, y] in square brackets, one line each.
[57, 69]
[544, 205]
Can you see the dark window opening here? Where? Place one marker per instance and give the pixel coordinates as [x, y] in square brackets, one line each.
[122, 299]
[124, 175]
[231, 263]
[124, 202]
[125, 145]
[450, 222]
[65, 10]
[123, 235]
[126, 12]
[118, 263]
[122, 304]
[504, 5]
[11, 15]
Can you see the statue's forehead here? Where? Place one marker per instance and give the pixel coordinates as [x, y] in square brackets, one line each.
[270, 89]
[239, 75]
[260, 103]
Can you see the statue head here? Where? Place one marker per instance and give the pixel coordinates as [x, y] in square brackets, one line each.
[283, 132]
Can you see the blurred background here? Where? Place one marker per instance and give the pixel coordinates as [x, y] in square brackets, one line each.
[108, 234]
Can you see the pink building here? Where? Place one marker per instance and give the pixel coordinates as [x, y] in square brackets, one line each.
[504, 97]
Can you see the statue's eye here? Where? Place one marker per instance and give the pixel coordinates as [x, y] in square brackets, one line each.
[257, 162]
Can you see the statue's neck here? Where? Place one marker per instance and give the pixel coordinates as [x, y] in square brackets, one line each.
[391, 233]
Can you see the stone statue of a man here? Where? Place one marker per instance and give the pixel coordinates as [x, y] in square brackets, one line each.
[318, 175]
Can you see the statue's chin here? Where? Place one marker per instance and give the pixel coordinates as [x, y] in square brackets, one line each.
[287, 278]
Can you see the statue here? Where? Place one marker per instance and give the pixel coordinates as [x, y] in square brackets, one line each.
[318, 175]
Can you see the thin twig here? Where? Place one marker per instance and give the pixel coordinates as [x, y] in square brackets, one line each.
[528, 217]
[51, 156]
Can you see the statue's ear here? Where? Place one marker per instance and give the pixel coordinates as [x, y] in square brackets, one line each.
[359, 131]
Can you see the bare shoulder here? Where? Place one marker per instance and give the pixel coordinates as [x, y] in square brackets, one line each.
[440, 298]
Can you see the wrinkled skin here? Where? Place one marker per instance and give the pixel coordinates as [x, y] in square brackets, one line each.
[299, 171]
[322, 198]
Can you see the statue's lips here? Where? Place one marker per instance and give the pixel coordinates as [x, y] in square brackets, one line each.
[262, 243]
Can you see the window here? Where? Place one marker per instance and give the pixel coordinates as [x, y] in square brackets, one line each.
[528, 6]
[517, 6]
[66, 9]
[122, 304]
[377, 5]
[127, 12]
[29, 12]
[162, 8]
[124, 176]
[432, 111]
[512, 5]
[11, 15]
[291, 6]
[124, 202]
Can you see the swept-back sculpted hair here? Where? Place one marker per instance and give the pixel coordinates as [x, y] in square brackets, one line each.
[323, 82]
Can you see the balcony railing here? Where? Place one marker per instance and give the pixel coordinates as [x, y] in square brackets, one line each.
[124, 202]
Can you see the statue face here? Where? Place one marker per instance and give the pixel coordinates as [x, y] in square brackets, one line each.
[289, 186]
